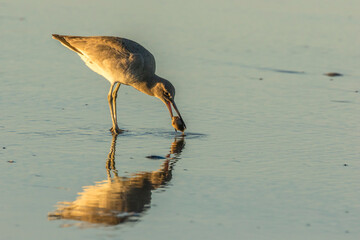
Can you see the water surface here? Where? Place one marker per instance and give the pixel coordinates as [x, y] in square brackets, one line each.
[272, 147]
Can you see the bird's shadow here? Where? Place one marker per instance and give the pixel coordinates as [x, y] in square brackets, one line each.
[118, 199]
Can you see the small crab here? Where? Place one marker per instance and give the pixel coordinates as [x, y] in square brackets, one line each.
[178, 124]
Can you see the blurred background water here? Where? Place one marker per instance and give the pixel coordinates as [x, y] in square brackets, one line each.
[272, 146]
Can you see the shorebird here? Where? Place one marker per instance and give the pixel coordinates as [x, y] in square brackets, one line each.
[122, 61]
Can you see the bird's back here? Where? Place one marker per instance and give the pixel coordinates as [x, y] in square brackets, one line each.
[117, 59]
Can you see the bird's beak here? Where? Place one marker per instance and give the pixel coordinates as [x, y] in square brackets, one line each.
[176, 109]
[168, 105]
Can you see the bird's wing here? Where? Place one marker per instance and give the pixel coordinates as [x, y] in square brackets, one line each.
[136, 68]
[97, 48]
[112, 53]
[92, 45]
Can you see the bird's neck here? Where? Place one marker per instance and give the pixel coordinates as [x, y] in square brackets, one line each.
[148, 85]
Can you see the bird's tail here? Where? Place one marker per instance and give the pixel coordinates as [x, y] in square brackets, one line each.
[62, 40]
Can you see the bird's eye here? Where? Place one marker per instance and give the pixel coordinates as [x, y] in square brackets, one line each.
[167, 95]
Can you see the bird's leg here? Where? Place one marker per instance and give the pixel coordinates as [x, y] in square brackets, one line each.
[110, 100]
[114, 96]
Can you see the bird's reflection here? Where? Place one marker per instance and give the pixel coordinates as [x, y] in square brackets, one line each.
[119, 199]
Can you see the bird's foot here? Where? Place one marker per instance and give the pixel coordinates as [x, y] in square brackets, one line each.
[116, 130]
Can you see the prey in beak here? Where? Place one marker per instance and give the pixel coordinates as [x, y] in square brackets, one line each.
[177, 121]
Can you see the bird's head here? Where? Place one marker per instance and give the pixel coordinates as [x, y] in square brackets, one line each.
[165, 91]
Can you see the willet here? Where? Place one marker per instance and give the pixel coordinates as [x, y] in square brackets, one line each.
[122, 61]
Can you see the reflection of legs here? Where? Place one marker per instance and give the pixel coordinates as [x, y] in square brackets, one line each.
[110, 161]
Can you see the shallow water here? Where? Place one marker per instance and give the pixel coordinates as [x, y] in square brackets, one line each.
[272, 145]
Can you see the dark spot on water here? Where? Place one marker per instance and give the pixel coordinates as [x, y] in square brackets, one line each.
[4, 148]
[308, 225]
[86, 104]
[347, 231]
[63, 109]
[341, 101]
[131, 158]
[185, 169]
[346, 211]
[357, 91]
[345, 165]
[34, 155]
[37, 175]
[11, 161]
[260, 79]
[283, 71]
[288, 71]
[333, 74]
[155, 157]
